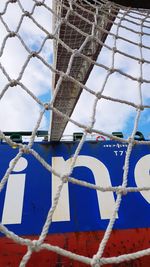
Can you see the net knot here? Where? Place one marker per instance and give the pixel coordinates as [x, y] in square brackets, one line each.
[35, 246]
[12, 34]
[63, 21]
[33, 54]
[39, 3]
[25, 149]
[141, 107]
[130, 140]
[140, 45]
[142, 60]
[140, 80]
[114, 49]
[112, 70]
[76, 52]
[96, 262]
[98, 95]
[121, 190]
[13, 83]
[27, 13]
[50, 36]
[64, 178]
[89, 130]
[47, 106]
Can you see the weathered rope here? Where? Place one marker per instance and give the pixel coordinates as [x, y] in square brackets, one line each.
[132, 21]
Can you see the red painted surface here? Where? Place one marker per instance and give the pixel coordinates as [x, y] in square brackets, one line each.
[84, 243]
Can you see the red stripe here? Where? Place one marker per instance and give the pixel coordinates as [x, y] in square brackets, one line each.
[84, 243]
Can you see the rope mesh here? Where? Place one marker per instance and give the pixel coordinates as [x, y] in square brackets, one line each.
[79, 33]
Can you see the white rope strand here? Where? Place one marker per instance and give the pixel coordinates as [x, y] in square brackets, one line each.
[79, 34]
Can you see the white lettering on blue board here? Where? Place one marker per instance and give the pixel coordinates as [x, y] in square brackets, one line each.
[106, 200]
[142, 175]
[13, 203]
[14, 196]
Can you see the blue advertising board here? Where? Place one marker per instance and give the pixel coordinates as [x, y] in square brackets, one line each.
[29, 192]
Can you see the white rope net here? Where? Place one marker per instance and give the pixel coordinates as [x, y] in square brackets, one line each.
[79, 32]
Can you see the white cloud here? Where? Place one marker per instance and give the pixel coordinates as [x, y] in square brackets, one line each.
[18, 111]
[111, 116]
[13, 57]
[12, 21]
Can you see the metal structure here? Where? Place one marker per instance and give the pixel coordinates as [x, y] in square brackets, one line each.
[69, 92]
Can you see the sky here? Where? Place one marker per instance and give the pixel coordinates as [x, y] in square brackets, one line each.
[18, 111]
[112, 117]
